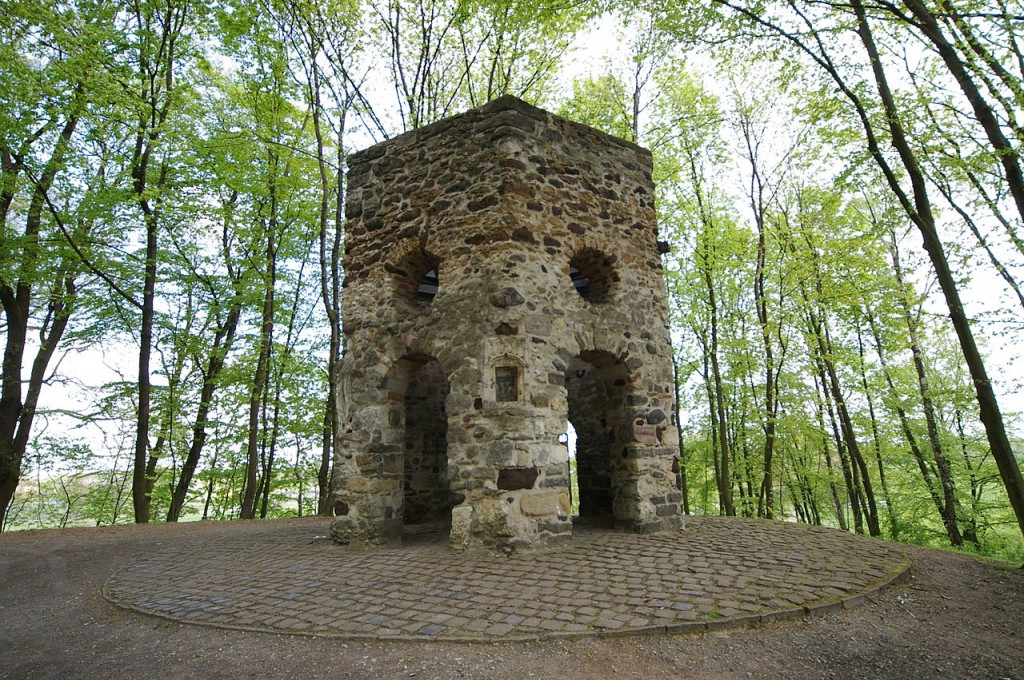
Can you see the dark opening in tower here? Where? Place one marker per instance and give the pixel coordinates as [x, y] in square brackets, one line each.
[592, 274]
[596, 383]
[416, 276]
[426, 494]
[428, 286]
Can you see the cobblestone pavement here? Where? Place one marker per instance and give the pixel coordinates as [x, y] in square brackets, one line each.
[717, 572]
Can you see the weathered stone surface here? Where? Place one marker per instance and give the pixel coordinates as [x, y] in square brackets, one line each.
[656, 416]
[502, 277]
[539, 505]
[507, 297]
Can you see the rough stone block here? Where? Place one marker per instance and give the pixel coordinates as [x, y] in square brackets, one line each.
[511, 479]
[539, 504]
[646, 434]
[462, 526]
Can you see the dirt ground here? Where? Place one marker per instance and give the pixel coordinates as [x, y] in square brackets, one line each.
[957, 618]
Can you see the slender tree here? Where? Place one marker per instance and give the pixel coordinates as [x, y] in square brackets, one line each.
[43, 109]
[161, 28]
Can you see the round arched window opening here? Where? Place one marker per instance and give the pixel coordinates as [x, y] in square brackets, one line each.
[416, 277]
[592, 273]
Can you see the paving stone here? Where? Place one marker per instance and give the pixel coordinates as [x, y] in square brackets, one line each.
[477, 626]
[603, 582]
[432, 629]
[499, 630]
[608, 622]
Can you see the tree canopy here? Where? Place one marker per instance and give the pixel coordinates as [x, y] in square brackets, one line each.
[172, 218]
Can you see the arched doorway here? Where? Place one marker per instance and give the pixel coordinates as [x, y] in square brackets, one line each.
[417, 390]
[596, 387]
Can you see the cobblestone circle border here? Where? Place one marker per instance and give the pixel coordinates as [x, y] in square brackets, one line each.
[714, 574]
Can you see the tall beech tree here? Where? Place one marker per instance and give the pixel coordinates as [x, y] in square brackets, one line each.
[752, 117]
[46, 97]
[323, 39]
[161, 29]
[277, 131]
[227, 304]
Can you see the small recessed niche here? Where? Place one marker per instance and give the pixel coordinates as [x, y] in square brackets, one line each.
[592, 274]
[506, 383]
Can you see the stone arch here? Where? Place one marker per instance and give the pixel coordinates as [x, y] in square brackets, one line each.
[416, 390]
[598, 386]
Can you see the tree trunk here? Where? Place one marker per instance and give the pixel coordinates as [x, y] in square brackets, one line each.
[713, 423]
[825, 407]
[323, 475]
[766, 495]
[11, 407]
[222, 342]
[766, 501]
[680, 462]
[158, 31]
[16, 415]
[858, 476]
[259, 382]
[721, 424]
[140, 498]
[971, 522]
[948, 520]
[889, 506]
[330, 282]
[268, 470]
[949, 501]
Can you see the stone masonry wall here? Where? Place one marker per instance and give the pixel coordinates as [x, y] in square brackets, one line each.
[541, 234]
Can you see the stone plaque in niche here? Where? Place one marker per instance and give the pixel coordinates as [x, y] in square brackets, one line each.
[538, 325]
[505, 357]
[506, 383]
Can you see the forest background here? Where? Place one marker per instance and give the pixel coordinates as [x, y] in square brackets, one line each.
[171, 232]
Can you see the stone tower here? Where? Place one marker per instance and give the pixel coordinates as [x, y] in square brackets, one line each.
[502, 277]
